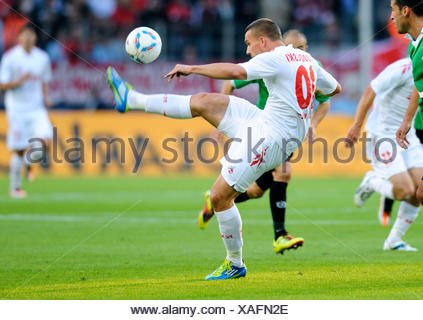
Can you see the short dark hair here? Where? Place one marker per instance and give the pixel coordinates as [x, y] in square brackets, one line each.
[27, 26]
[265, 27]
[415, 5]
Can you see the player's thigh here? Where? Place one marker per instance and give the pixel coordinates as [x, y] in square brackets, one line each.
[17, 132]
[416, 175]
[40, 127]
[242, 168]
[403, 183]
[413, 158]
[210, 106]
[282, 173]
[240, 113]
[386, 159]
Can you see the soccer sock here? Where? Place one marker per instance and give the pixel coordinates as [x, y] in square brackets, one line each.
[242, 197]
[170, 105]
[407, 213]
[16, 163]
[230, 226]
[278, 207]
[387, 205]
[382, 186]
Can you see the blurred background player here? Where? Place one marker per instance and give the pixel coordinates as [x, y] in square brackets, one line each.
[408, 18]
[396, 171]
[277, 180]
[24, 74]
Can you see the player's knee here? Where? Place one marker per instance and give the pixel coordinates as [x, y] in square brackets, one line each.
[419, 195]
[216, 199]
[199, 102]
[404, 192]
[282, 176]
[255, 193]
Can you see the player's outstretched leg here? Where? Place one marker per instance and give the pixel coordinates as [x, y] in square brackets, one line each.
[385, 210]
[371, 183]
[210, 106]
[16, 164]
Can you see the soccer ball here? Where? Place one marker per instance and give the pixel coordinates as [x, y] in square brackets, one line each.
[143, 45]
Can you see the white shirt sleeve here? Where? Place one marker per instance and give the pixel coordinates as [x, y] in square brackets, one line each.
[47, 73]
[5, 72]
[264, 65]
[393, 75]
[325, 82]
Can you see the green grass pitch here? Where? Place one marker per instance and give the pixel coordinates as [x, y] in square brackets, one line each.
[137, 238]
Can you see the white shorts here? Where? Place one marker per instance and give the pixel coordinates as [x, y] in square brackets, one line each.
[388, 158]
[24, 126]
[253, 151]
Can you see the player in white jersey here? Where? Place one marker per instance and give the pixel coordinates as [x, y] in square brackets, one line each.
[263, 139]
[24, 73]
[396, 171]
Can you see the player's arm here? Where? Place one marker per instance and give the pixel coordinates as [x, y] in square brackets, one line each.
[14, 84]
[224, 71]
[401, 134]
[46, 97]
[364, 105]
[227, 88]
[317, 117]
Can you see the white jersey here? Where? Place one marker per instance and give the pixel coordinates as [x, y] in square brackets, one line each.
[17, 62]
[291, 77]
[393, 88]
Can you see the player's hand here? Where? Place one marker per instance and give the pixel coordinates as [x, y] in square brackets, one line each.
[48, 102]
[401, 134]
[22, 79]
[217, 136]
[311, 133]
[178, 71]
[352, 135]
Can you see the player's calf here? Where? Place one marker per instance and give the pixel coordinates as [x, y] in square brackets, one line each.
[419, 193]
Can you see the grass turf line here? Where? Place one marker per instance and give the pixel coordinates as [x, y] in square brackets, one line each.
[156, 251]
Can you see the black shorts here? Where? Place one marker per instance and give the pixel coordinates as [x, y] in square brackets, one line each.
[419, 134]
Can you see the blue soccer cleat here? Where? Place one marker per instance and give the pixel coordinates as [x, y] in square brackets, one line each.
[120, 89]
[227, 271]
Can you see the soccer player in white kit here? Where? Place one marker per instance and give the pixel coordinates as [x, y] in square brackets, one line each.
[262, 139]
[24, 74]
[396, 171]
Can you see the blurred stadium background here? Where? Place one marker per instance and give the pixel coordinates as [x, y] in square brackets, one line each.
[353, 39]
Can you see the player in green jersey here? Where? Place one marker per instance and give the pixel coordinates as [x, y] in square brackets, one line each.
[276, 180]
[408, 18]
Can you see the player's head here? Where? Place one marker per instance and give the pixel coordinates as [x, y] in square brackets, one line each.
[27, 36]
[262, 35]
[296, 38]
[404, 11]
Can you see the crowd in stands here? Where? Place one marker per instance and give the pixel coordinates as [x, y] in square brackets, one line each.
[192, 29]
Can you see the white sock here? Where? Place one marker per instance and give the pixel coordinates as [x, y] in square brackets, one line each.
[230, 226]
[16, 163]
[170, 105]
[407, 213]
[136, 100]
[383, 187]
